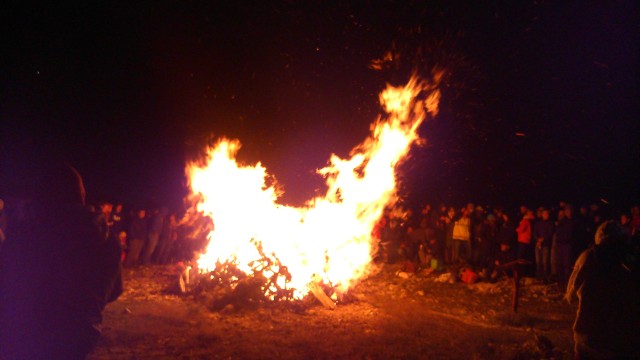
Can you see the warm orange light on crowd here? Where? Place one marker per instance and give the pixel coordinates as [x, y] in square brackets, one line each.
[330, 237]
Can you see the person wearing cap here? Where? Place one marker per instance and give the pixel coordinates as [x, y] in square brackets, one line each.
[606, 283]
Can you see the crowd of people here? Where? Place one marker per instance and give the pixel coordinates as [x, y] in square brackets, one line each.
[483, 239]
[593, 257]
[151, 235]
[480, 238]
[561, 244]
[146, 237]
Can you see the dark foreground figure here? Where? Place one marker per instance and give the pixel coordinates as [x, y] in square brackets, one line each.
[606, 282]
[57, 273]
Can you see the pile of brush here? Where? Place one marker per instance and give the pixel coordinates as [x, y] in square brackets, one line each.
[228, 287]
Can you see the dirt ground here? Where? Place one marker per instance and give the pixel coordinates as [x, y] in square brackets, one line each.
[422, 316]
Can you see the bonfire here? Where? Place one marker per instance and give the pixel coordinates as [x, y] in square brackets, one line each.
[262, 249]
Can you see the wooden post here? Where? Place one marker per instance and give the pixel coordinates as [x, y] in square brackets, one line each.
[516, 288]
[517, 267]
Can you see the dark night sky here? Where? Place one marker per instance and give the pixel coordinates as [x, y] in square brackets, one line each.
[128, 92]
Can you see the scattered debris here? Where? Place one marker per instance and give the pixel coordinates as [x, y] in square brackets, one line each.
[446, 277]
[412, 312]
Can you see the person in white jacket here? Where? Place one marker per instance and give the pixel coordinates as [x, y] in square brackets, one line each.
[462, 237]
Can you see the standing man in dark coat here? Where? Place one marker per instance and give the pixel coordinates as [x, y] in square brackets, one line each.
[506, 235]
[103, 221]
[565, 232]
[57, 273]
[137, 235]
[156, 223]
[606, 283]
[543, 235]
[117, 220]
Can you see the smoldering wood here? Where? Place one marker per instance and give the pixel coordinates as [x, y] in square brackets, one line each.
[317, 291]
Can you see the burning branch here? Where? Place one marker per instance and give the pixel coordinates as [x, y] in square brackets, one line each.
[317, 291]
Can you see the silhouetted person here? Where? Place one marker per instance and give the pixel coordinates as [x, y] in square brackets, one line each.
[57, 273]
[543, 235]
[156, 223]
[103, 221]
[606, 283]
[168, 238]
[565, 232]
[136, 236]
[524, 231]
[117, 220]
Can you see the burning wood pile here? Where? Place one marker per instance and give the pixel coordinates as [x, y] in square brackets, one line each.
[226, 286]
[322, 248]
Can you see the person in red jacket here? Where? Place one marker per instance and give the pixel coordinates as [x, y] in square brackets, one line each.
[524, 231]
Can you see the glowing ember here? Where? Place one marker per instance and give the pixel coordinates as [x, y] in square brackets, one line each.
[329, 239]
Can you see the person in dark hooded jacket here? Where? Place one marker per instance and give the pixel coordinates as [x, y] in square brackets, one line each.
[57, 273]
[564, 235]
[543, 235]
[606, 283]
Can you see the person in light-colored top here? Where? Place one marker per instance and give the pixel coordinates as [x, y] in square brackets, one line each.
[462, 237]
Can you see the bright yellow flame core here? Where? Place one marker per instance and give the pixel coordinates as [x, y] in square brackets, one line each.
[330, 237]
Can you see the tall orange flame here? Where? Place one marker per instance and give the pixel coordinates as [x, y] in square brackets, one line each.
[330, 237]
